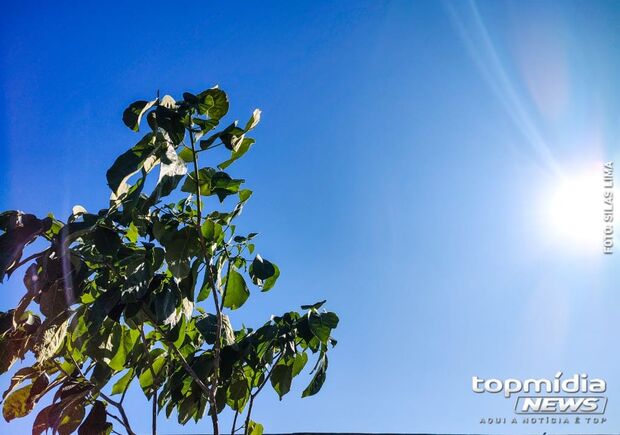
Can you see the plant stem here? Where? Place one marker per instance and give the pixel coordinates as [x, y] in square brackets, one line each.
[150, 360]
[232, 431]
[258, 390]
[117, 405]
[154, 417]
[209, 274]
[226, 283]
[178, 353]
[121, 410]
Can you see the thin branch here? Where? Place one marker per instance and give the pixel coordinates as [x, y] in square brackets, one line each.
[115, 418]
[226, 284]
[154, 413]
[178, 353]
[268, 376]
[253, 396]
[114, 403]
[210, 147]
[121, 410]
[232, 431]
[125, 391]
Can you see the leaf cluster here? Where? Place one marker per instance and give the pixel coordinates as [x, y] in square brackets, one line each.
[138, 292]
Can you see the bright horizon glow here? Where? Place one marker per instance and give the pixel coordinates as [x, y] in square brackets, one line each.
[573, 211]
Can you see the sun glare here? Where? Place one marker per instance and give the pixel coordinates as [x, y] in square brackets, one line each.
[574, 210]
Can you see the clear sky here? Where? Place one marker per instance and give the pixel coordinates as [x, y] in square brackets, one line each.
[404, 169]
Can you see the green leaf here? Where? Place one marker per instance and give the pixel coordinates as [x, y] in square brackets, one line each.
[171, 171]
[318, 379]
[132, 233]
[211, 231]
[314, 306]
[281, 377]
[164, 304]
[212, 182]
[299, 362]
[255, 428]
[186, 154]
[17, 404]
[207, 326]
[181, 247]
[270, 282]
[146, 378]
[204, 292]
[261, 269]
[237, 152]
[232, 137]
[188, 283]
[95, 423]
[244, 195]
[71, 417]
[121, 385]
[170, 120]
[20, 376]
[321, 324]
[106, 342]
[253, 121]
[24, 229]
[206, 125]
[236, 292]
[51, 340]
[133, 114]
[264, 273]
[138, 281]
[127, 342]
[131, 162]
[238, 393]
[213, 103]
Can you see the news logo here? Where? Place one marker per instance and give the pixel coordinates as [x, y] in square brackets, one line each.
[577, 395]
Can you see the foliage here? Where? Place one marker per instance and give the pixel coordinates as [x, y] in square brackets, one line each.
[122, 296]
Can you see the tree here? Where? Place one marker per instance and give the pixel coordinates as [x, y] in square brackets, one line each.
[122, 295]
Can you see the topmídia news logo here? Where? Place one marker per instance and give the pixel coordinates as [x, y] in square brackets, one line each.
[575, 399]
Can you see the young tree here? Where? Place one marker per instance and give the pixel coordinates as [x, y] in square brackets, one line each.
[141, 291]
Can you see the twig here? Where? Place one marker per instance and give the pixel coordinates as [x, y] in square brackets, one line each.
[121, 410]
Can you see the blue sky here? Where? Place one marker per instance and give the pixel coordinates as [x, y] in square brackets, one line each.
[403, 168]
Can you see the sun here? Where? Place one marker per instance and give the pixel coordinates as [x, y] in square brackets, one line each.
[574, 210]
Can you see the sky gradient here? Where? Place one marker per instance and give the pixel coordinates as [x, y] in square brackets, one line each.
[402, 167]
